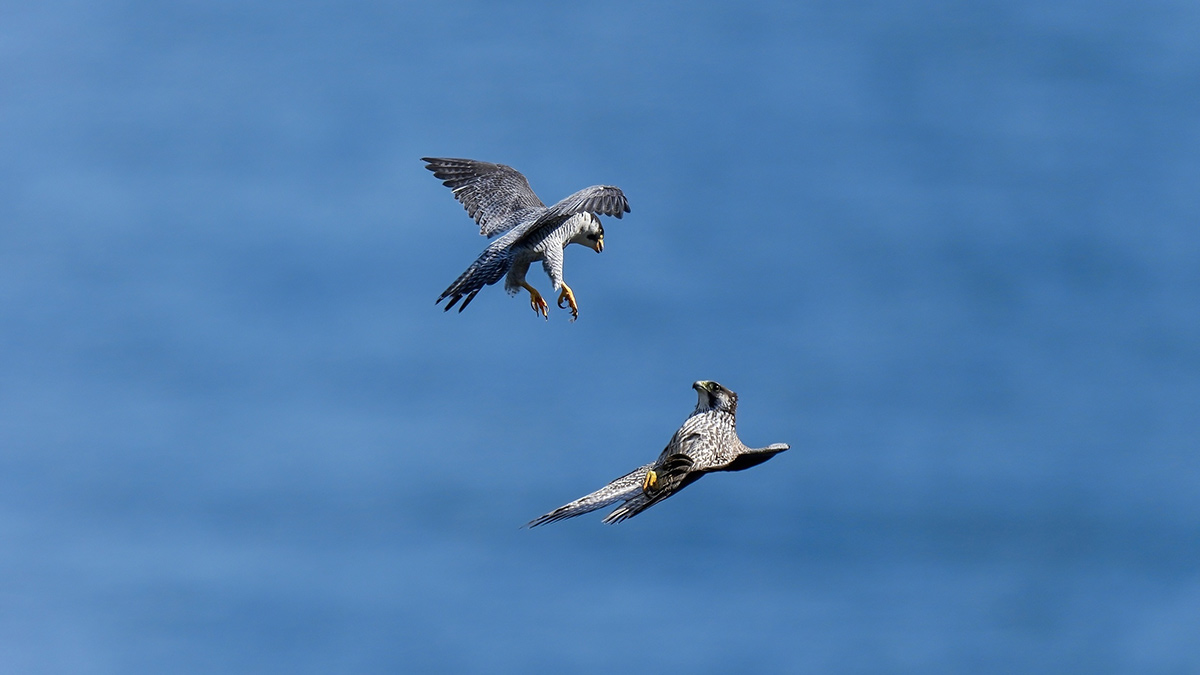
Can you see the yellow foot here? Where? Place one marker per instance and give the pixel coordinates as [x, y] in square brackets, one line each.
[567, 295]
[537, 302]
[650, 482]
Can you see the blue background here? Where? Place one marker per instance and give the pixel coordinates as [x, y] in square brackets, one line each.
[949, 251]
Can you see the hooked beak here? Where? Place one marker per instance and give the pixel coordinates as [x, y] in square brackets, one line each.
[702, 385]
[599, 245]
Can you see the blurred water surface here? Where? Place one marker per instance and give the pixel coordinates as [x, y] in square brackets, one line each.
[948, 251]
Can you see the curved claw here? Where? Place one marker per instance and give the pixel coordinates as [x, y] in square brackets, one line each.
[537, 302]
[539, 306]
[650, 482]
[569, 296]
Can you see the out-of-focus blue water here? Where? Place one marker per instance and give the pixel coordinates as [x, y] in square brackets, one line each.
[948, 251]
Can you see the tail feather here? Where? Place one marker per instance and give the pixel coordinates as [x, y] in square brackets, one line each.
[488, 268]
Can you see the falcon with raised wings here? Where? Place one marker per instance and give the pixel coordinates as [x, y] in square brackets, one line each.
[500, 200]
[706, 442]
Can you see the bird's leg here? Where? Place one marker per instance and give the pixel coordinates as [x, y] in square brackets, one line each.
[536, 301]
[650, 482]
[567, 295]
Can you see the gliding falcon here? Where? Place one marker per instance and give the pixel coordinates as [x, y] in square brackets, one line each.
[500, 200]
[706, 442]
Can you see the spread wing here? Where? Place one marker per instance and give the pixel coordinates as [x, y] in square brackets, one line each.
[604, 200]
[496, 196]
[626, 487]
[752, 457]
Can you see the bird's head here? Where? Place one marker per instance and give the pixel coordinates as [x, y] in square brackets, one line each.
[713, 396]
[591, 232]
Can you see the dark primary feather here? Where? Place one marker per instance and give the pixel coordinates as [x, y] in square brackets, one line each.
[673, 474]
[492, 193]
[753, 457]
[669, 479]
[604, 200]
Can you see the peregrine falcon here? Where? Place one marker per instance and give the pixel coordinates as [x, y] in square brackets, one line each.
[500, 200]
[706, 442]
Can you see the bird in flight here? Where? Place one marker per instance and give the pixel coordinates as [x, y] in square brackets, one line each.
[501, 202]
[706, 442]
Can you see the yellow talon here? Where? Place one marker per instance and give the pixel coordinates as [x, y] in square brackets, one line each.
[650, 482]
[536, 301]
[567, 295]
